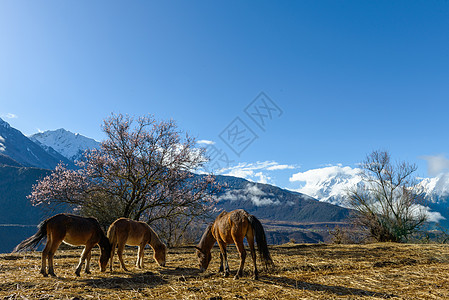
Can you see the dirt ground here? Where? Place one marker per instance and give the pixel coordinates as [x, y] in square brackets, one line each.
[303, 271]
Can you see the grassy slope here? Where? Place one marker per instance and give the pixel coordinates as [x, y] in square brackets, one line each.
[303, 272]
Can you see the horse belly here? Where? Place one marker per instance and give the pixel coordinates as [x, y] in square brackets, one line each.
[74, 240]
[133, 240]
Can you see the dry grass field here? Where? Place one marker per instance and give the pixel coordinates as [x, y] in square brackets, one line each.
[311, 271]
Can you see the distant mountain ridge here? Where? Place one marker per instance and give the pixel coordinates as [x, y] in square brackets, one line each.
[70, 145]
[274, 203]
[24, 161]
[330, 184]
[17, 149]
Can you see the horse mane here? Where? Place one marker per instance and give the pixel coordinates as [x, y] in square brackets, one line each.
[206, 236]
[155, 241]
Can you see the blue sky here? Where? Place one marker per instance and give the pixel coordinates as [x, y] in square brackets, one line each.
[348, 77]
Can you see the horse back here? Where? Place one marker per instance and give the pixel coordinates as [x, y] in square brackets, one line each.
[132, 232]
[74, 230]
[231, 226]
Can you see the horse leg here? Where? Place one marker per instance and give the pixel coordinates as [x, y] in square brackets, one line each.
[140, 253]
[221, 263]
[83, 257]
[121, 248]
[222, 246]
[250, 239]
[51, 253]
[114, 245]
[242, 252]
[87, 269]
[45, 256]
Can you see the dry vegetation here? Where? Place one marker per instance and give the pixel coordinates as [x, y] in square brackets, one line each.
[312, 271]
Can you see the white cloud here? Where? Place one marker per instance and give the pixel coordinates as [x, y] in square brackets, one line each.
[436, 164]
[432, 216]
[257, 172]
[206, 142]
[252, 193]
[280, 167]
[10, 116]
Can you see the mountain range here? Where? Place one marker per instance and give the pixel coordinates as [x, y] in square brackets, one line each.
[330, 184]
[18, 150]
[25, 160]
[68, 144]
[294, 215]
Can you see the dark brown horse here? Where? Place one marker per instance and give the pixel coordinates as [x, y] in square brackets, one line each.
[232, 228]
[135, 233]
[72, 230]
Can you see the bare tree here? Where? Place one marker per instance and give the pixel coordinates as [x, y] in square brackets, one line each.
[143, 171]
[387, 203]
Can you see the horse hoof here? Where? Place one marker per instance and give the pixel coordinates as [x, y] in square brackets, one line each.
[77, 274]
[226, 274]
[88, 272]
[256, 278]
[236, 277]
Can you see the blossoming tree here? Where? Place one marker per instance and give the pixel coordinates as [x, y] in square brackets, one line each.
[144, 170]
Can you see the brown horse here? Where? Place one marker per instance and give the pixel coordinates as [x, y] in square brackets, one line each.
[135, 233]
[72, 230]
[232, 228]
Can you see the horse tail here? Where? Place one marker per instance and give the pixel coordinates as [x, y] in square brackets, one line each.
[34, 240]
[261, 240]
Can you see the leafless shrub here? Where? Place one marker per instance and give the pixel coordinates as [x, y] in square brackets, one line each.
[387, 204]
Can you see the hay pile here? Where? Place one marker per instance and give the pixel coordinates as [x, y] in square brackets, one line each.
[316, 271]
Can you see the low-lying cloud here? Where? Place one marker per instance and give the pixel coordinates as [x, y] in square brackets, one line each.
[252, 193]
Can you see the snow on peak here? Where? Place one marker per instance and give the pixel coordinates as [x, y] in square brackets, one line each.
[68, 144]
[328, 184]
[435, 188]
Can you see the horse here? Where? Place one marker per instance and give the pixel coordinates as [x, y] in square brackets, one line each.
[72, 230]
[135, 233]
[232, 228]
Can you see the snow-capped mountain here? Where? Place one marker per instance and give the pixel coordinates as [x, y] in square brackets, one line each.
[436, 189]
[18, 150]
[330, 184]
[70, 145]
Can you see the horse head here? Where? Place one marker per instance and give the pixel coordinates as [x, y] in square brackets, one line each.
[204, 258]
[105, 249]
[159, 254]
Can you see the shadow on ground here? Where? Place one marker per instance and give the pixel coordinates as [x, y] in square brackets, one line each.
[337, 290]
[134, 281]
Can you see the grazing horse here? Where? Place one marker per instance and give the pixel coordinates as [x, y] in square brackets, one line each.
[135, 233]
[232, 228]
[72, 230]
